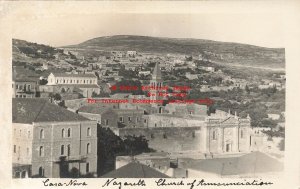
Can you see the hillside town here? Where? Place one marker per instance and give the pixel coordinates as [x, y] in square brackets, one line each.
[87, 113]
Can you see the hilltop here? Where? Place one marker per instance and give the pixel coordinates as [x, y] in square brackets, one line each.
[220, 52]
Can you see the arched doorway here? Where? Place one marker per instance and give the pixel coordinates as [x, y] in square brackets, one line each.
[41, 171]
[228, 146]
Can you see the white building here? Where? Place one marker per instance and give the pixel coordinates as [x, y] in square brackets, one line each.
[73, 79]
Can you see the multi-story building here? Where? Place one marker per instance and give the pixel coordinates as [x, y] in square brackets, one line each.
[23, 86]
[50, 141]
[114, 118]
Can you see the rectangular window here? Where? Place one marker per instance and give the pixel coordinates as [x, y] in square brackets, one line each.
[69, 150]
[121, 119]
[106, 122]
[15, 149]
[129, 118]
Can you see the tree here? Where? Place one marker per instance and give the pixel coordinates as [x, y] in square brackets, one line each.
[57, 97]
[111, 145]
[43, 82]
[102, 94]
[247, 89]
[268, 123]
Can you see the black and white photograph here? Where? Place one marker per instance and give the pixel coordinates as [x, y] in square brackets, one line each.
[147, 95]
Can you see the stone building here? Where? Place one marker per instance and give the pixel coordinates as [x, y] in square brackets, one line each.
[186, 109]
[171, 133]
[114, 118]
[52, 141]
[23, 86]
[84, 84]
[73, 79]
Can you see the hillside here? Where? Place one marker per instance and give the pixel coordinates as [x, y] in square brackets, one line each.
[224, 52]
[33, 56]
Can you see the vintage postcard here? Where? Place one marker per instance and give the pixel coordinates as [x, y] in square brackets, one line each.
[116, 94]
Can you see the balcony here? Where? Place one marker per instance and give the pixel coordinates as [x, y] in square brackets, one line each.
[79, 158]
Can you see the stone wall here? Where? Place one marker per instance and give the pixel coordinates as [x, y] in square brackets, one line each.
[168, 139]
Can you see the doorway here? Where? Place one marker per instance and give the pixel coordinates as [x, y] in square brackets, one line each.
[228, 147]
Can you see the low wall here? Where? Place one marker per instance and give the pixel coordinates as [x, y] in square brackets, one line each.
[167, 139]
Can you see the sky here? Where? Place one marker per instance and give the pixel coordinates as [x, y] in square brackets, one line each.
[261, 29]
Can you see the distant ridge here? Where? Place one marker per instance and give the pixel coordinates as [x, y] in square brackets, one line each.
[226, 52]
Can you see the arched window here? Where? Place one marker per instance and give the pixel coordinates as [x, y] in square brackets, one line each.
[63, 133]
[28, 134]
[88, 148]
[214, 135]
[89, 133]
[41, 152]
[62, 149]
[242, 134]
[69, 132]
[69, 149]
[42, 133]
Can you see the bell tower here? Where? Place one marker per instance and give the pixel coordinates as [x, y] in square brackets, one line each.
[156, 84]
